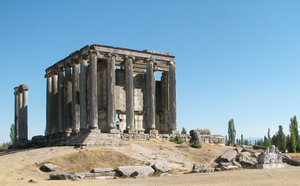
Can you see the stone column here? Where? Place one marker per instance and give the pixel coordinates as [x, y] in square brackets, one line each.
[93, 106]
[75, 98]
[111, 102]
[20, 111]
[172, 98]
[16, 114]
[54, 105]
[150, 89]
[83, 95]
[49, 102]
[68, 99]
[129, 95]
[61, 103]
[25, 111]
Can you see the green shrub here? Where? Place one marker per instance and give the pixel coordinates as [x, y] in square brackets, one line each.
[177, 139]
[196, 144]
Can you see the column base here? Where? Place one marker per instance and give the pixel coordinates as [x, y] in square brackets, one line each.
[75, 133]
[131, 131]
[153, 131]
[114, 131]
[95, 131]
[67, 134]
[176, 132]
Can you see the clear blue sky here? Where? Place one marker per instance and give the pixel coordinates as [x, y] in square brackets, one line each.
[235, 59]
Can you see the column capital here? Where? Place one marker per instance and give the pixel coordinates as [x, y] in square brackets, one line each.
[129, 57]
[111, 55]
[171, 63]
[23, 87]
[93, 52]
[149, 60]
[16, 90]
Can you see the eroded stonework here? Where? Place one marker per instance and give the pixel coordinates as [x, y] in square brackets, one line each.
[271, 155]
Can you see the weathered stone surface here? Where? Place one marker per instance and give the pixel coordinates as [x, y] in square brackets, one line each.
[246, 154]
[223, 167]
[271, 155]
[270, 166]
[202, 169]
[32, 181]
[65, 176]
[135, 171]
[48, 167]
[203, 131]
[239, 149]
[196, 136]
[100, 174]
[234, 162]
[228, 156]
[101, 170]
[247, 160]
[160, 166]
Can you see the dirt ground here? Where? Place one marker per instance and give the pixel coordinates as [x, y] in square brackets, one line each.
[18, 164]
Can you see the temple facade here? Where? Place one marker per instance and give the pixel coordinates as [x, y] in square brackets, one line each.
[112, 90]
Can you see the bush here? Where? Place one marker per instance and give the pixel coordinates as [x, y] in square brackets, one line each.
[5, 145]
[196, 144]
[177, 139]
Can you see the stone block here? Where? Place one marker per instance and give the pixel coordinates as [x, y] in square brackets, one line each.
[270, 166]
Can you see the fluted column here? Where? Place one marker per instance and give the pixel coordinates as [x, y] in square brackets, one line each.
[75, 98]
[129, 94]
[49, 102]
[93, 103]
[83, 94]
[68, 99]
[25, 111]
[16, 114]
[54, 105]
[150, 89]
[20, 114]
[111, 102]
[61, 98]
[172, 96]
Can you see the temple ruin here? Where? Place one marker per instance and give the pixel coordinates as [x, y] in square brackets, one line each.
[97, 85]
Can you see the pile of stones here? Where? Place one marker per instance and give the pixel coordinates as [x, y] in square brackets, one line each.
[123, 171]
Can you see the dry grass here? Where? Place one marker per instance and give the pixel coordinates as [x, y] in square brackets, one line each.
[86, 160]
[294, 156]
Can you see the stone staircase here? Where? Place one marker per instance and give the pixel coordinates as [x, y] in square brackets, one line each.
[94, 139]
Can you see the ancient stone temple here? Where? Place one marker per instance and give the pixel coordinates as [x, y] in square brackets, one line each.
[21, 110]
[112, 90]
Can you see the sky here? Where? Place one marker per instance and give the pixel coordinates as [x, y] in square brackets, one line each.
[234, 59]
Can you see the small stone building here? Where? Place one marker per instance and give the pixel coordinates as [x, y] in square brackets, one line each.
[98, 85]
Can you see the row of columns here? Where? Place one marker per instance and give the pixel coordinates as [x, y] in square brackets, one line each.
[68, 99]
[21, 110]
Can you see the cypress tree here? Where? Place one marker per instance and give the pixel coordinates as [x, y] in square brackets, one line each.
[231, 132]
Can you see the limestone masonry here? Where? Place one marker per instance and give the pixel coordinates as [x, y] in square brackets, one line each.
[111, 83]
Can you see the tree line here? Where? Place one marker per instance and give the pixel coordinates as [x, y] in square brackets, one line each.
[290, 142]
